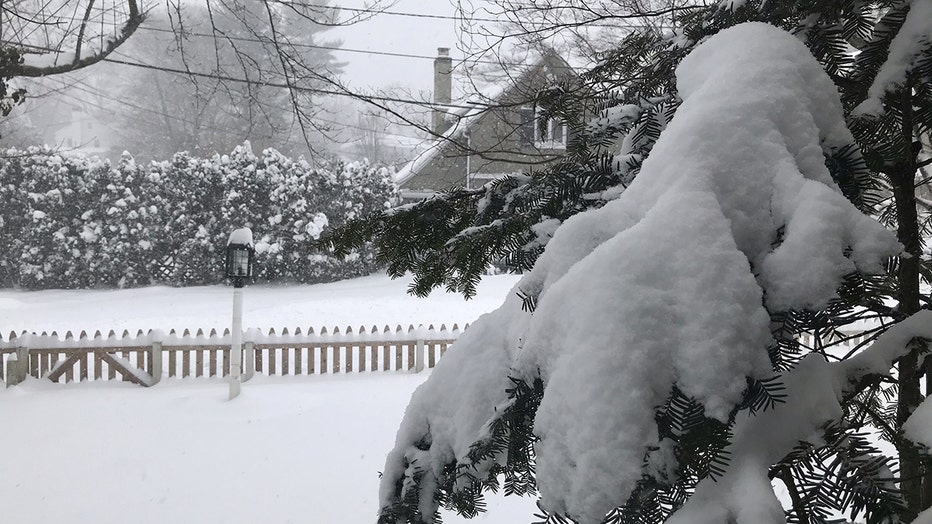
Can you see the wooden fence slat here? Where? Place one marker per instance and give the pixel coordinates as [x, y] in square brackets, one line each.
[272, 363]
[85, 361]
[348, 351]
[373, 351]
[44, 362]
[226, 362]
[298, 355]
[213, 362]
[336, 352]
[69, 372]
[324, 352]
[172, 362]
[386, 351]
[185, 364]
[98, 367]
[399, 349]
[363, 346]
[286, 355]
[199, 362]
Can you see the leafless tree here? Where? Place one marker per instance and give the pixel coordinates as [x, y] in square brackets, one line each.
[59, 37]
[259, 50]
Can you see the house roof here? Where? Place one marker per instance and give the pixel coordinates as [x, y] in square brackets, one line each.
[466, 113]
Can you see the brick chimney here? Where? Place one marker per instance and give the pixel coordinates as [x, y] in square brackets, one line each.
[443, 88]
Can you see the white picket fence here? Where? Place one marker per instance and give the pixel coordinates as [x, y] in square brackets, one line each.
[145, 358]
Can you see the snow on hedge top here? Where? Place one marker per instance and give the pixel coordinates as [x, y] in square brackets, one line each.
[667, 285]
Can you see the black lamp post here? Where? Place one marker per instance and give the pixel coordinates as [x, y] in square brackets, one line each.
[239, 268]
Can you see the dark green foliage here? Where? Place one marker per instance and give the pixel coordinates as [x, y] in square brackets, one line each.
[844, 474]
[505, 457]
[77, 222]
[451, 239]
[9, 98]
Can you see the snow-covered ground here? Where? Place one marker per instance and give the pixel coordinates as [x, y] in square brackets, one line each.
[372, 300]
[289, 449]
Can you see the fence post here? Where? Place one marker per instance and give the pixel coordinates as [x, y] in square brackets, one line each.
[155, 362]
[419, 350]
[250, 360]
[17, 366]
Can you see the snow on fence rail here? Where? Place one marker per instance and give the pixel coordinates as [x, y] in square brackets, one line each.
[146, 357]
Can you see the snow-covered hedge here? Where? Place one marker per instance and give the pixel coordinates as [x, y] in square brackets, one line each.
[70, 221]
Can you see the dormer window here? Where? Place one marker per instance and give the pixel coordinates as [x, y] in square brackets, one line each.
[541, 129]
[549, 131]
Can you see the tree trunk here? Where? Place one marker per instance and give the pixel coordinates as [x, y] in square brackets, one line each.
[902, 179]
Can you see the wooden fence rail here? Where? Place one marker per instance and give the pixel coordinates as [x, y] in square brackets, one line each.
[145, 358]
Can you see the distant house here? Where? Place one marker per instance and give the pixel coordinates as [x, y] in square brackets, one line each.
[84, 132]
[489, 135]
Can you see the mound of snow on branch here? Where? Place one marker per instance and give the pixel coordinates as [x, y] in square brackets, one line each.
[734, 214]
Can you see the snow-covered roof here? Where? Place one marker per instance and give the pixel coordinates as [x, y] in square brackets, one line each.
[463, 115]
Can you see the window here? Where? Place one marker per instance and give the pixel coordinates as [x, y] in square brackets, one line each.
[548, 131]
[541, 129]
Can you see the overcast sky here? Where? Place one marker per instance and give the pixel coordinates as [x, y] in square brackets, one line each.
[396, 34]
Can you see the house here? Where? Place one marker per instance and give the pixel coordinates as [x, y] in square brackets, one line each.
[491, 134]
[83, 132]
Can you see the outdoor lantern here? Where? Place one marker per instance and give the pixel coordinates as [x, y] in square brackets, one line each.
[240, 257]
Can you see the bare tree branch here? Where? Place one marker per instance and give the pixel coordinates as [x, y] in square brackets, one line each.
[133, 21]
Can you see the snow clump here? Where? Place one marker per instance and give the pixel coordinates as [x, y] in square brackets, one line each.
[733, 215]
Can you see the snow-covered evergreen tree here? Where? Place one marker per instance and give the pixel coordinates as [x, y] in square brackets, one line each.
[637, 360]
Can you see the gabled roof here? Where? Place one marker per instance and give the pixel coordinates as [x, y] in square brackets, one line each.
[466, 113]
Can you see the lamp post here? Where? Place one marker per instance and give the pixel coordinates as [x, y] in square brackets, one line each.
[239, 267]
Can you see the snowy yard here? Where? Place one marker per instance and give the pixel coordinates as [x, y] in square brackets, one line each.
[289, 449]
[372, 300]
